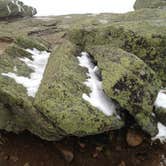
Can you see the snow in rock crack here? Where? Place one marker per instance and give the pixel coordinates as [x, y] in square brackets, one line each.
[161, 102]
[97, 97]
[38, 65]
[161, 99]
[161, 134]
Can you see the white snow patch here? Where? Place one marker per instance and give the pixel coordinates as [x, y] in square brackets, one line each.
[161, 134]
[9, 10]
[18, 5]
[103, 21]
[38, 65]
[161, 99]
[97, 97]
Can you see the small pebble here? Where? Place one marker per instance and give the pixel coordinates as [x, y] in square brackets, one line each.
[14, 158]
[26, 164]
[122, 163]
[82, 145]
[134, 138]
[66, 153]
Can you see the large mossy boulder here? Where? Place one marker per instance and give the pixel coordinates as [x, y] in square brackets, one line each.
[150, 50]
[15, 8]
[139, 4]
[130, 82]
[16, 107]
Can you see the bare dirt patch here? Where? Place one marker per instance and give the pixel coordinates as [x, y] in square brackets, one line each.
[27, 150]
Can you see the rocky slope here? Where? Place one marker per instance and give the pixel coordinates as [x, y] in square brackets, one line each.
[127, 49]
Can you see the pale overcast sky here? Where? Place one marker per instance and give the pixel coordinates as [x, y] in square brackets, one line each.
[61, 7]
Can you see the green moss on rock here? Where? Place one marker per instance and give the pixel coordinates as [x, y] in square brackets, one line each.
[129, 81]
[60, 96]
[150, 50]
[53, 115]
[16, 108]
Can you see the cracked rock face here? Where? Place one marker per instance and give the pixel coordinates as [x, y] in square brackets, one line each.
[15, 8]
[126, 57]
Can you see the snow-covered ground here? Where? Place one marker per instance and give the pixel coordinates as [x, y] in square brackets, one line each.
[38, 65]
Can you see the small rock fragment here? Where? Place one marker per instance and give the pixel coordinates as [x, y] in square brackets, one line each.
[95, 154]
[6, 157]
[134, 138]
[99, 148]
[14, 158]
[122, 163]
[66, 153]
[26, 164]
[82, 145]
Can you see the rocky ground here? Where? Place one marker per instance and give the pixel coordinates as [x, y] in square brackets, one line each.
[127, 55]
[27, 150]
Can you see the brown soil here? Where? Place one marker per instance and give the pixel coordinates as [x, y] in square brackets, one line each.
[27, 150]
